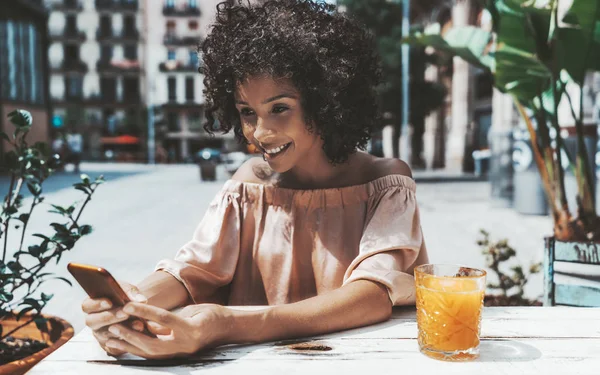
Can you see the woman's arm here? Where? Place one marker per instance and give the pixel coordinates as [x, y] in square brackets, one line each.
[357, 304]
[163, 290]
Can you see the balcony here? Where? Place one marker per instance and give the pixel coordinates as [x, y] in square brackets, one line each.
[181, 12]
[70, 67]
[117, 5]
[68, 6]
[176, 66]
[174, 40]
[107, 36]
[69, 36]
[118, 67]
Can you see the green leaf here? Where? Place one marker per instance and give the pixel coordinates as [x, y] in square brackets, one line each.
[5, 296]
[467, 42]
[34, 188]
[85, 230]
[35, 250]
[47, 297]
[60, 228]
[4, 136]
[23, 312]
[63, 279]
[31, 302]
[58, 209]
[20, 118]
[85, 178]
[41, 323]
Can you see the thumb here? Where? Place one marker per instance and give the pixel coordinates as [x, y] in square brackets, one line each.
[133, 292]
[157, 329]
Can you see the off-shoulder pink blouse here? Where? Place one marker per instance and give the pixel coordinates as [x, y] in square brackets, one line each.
[265, 245]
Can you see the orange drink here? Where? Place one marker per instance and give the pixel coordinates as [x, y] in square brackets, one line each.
[449, 304]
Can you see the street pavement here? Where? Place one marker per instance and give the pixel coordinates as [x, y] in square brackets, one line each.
[145, 213]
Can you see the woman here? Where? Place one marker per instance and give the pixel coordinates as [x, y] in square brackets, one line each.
[326, 234]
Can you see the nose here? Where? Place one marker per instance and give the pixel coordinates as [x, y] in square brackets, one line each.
[262, 132]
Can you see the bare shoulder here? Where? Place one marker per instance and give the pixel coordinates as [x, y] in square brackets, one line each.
[254, 170]
[387, 166]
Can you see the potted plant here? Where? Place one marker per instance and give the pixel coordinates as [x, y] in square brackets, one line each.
[507, 277]
[26, 335]
[539, 52]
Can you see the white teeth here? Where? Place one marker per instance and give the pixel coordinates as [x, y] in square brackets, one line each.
[275, 150]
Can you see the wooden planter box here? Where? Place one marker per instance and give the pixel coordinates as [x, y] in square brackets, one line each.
[570, 294]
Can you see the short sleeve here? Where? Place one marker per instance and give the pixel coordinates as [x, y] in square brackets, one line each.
[208, 261]
[391, 243]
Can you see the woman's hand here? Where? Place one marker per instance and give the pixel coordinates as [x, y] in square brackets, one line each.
[100, 314]
[194, 328]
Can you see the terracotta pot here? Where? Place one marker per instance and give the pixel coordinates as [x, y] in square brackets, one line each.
[60, 331]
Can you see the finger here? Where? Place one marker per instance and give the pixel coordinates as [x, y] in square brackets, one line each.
[139, 340]
[106, 318]
[123, 346]
[157, 329]
[90, 305]
[102, 337]
[137, 325]
[155, 314]
[133, 292]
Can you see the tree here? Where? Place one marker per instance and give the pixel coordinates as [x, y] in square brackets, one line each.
[384, 19]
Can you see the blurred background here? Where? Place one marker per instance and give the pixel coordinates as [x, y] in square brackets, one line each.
[117, 82]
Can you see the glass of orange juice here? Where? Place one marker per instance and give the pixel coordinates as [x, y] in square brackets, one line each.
[449, 304]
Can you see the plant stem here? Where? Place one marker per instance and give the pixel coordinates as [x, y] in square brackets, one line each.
[26, 223]
[560, 176]
[16, 329]
[539, 159]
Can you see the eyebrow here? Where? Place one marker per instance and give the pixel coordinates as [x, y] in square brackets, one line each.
[291, 96]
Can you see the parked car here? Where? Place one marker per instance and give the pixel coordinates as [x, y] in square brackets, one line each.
[234, 160]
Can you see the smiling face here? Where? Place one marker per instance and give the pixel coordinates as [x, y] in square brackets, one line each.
[272, 119]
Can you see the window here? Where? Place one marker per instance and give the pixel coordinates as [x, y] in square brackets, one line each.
[129, 26]
[21, 69]
[106, 53]
[171, 54]
[73, 87]
[71, 54]
[170, 4]
[172, 88]
[193, 25]
[131, 89]
[108, 88]
[71, 25]
[131, 51]
[193, 4]
[105, 25]
[173, 122]
[194, 121]
[189, 89]
[194, 59]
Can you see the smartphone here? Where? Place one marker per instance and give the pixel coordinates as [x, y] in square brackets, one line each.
[99, 283]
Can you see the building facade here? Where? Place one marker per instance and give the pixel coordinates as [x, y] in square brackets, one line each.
[175, 28]
[23, 66]
[96, 80]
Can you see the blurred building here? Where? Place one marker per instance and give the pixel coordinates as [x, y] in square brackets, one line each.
[96, 80]
[462, 125]
[175, 29]
[23, 65]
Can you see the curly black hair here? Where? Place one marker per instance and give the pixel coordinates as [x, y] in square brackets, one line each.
[330, 58]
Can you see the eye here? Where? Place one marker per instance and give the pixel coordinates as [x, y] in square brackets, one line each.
[279, 109]
[246, 112]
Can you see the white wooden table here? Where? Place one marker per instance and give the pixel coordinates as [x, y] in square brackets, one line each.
[516, 340]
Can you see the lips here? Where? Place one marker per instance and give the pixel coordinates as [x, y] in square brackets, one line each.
[273, 152]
